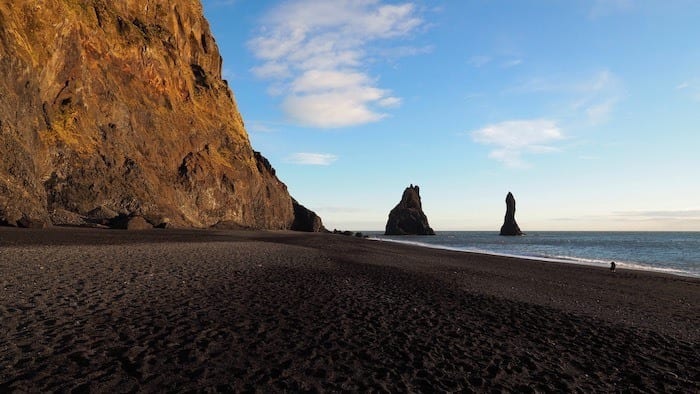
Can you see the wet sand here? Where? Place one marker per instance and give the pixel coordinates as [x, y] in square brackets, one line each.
[178, 310]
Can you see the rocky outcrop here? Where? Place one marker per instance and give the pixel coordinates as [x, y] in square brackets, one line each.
[120, 106]
[407, 218]
[510, 227]
[306, 219]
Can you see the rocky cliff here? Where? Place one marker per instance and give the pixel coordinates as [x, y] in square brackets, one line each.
[120, 106]
[407, 217]
[306, 219]
[510, 226]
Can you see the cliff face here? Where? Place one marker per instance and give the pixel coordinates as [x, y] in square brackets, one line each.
[121, 105]
[510, 226]
[306, 219]
[407, 217]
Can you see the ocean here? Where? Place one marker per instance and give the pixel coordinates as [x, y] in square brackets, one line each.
[670, 252]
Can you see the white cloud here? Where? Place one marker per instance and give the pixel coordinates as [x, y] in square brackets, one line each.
[390, 102]
[515, 138]
[271, 70]
[404, 51]
[333, 109]
[314, 51]
[313, 159]
[315, 81]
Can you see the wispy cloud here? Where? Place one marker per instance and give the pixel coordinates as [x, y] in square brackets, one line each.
[404, 51]
[499, 60]
[223, 2]
[592, 97]
[676, 220]
[599, 112]
[228, 74]
[671, 214]
[479, 61]
[511, 63]
[602, 8]
[256, 126]
[599, 81]
[599, 96]
[313, 159]
[515, 138]
[690, 87]
[314, 52]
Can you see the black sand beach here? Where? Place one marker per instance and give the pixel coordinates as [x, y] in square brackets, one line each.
[180, 310]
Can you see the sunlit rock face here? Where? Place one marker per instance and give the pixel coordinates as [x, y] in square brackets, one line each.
[121, 105]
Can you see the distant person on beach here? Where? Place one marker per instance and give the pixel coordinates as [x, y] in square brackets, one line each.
[612, 266]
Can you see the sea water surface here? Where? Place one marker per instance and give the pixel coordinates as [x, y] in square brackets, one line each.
[671, 252]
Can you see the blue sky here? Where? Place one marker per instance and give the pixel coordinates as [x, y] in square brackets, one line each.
[587, 110]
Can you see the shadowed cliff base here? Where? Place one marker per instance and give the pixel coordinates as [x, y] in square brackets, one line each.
[109, 311]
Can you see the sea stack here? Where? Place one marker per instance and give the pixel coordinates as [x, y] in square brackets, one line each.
[407, 218]
[121, 105]
[510, 226]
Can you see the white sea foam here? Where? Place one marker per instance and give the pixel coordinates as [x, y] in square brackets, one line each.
[548, 258]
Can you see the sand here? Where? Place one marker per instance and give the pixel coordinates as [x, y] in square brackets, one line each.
[180, 310]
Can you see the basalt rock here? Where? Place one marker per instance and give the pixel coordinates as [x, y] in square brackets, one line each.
[306, 219]
[138, 223]
[408, 218]
[121, 105]
[29, 222]
[66, 218]
[510, 227]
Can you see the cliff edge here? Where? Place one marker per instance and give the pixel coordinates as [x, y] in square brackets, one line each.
[306, 220]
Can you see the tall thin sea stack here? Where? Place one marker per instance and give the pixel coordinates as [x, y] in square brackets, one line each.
[510, 226]
[407, 217]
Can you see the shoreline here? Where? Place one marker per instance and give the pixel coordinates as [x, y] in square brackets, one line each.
[180, 310]
[625, 265]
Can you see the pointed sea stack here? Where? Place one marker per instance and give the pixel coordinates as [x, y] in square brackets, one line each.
[407, 218]
[510, 227]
